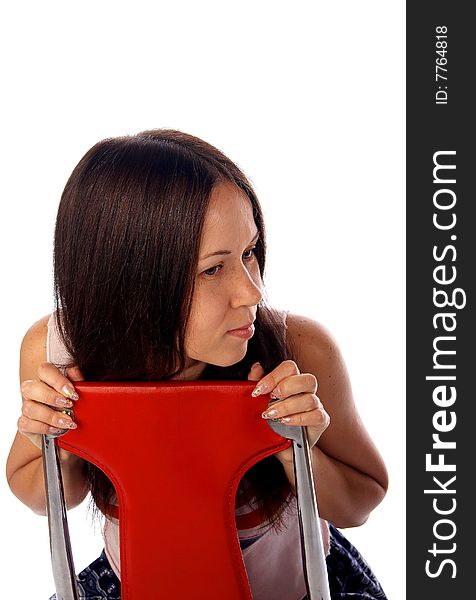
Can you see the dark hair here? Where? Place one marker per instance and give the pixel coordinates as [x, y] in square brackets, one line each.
[131, 205]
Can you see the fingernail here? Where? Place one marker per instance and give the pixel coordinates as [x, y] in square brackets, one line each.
[63, 402]
[259, 389]
[256, 364]
[270, 414]
[276, 393]
[70, 392]
[67, 424]
[284, 419]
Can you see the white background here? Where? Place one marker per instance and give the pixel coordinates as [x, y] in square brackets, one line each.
[308, 98]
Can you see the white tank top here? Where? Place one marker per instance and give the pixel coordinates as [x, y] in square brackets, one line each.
[273, 562]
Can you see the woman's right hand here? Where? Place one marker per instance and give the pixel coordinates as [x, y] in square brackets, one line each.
[43, 400]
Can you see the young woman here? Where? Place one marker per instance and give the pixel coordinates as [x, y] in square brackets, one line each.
[158, 269]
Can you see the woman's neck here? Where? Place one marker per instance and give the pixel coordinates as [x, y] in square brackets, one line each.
[193, 370]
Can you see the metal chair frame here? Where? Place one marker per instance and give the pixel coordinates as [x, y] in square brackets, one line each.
[219, 419]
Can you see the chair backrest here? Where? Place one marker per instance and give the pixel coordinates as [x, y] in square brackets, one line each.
[175, 452]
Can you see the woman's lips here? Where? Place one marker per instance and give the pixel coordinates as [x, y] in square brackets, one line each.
[244, 332]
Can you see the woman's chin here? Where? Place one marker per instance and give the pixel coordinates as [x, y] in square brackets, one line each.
[222, 357]
[229, 359]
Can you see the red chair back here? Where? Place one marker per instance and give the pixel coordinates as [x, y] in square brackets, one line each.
[175, 452]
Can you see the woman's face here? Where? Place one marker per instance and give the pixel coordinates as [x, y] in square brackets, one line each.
[227, 285]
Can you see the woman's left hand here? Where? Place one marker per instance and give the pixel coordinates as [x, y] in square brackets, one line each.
[296, 402]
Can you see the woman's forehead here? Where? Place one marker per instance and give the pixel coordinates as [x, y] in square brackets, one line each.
[229, 213]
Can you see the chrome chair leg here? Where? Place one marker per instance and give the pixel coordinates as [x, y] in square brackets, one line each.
[60, 545]
[312, 547]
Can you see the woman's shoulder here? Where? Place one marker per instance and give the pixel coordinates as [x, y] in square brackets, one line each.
[311, 343]
[302, 329]
[33, 346]
[38, 332]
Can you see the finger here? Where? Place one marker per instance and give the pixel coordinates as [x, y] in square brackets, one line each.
[256, 372]
[74, 374]
[42, 413]
[295, 384]
[271, 380]
[40, 392]
[317, 418]
[31, 428]
[300, 403]
[51, 375]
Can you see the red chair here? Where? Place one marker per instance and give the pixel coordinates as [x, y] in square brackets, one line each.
[175, 452]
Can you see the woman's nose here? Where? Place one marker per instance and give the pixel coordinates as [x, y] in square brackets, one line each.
[246, 288]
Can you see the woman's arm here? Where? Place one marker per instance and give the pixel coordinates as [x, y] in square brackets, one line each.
[25, 464]
[350, 473]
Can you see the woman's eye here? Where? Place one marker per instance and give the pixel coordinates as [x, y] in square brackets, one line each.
[212, 269]
[251, 251]
[247, 255]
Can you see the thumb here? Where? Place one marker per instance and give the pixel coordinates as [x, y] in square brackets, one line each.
[256, 372]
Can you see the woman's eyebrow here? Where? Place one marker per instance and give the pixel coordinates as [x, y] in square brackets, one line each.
[218, 252]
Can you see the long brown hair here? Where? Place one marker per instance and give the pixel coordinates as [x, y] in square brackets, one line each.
[126, 249]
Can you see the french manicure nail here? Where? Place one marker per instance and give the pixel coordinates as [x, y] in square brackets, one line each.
[70, 392]
[270, 414]
[63, 402]
[259, 389]
[284, 419]
[67, 424]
